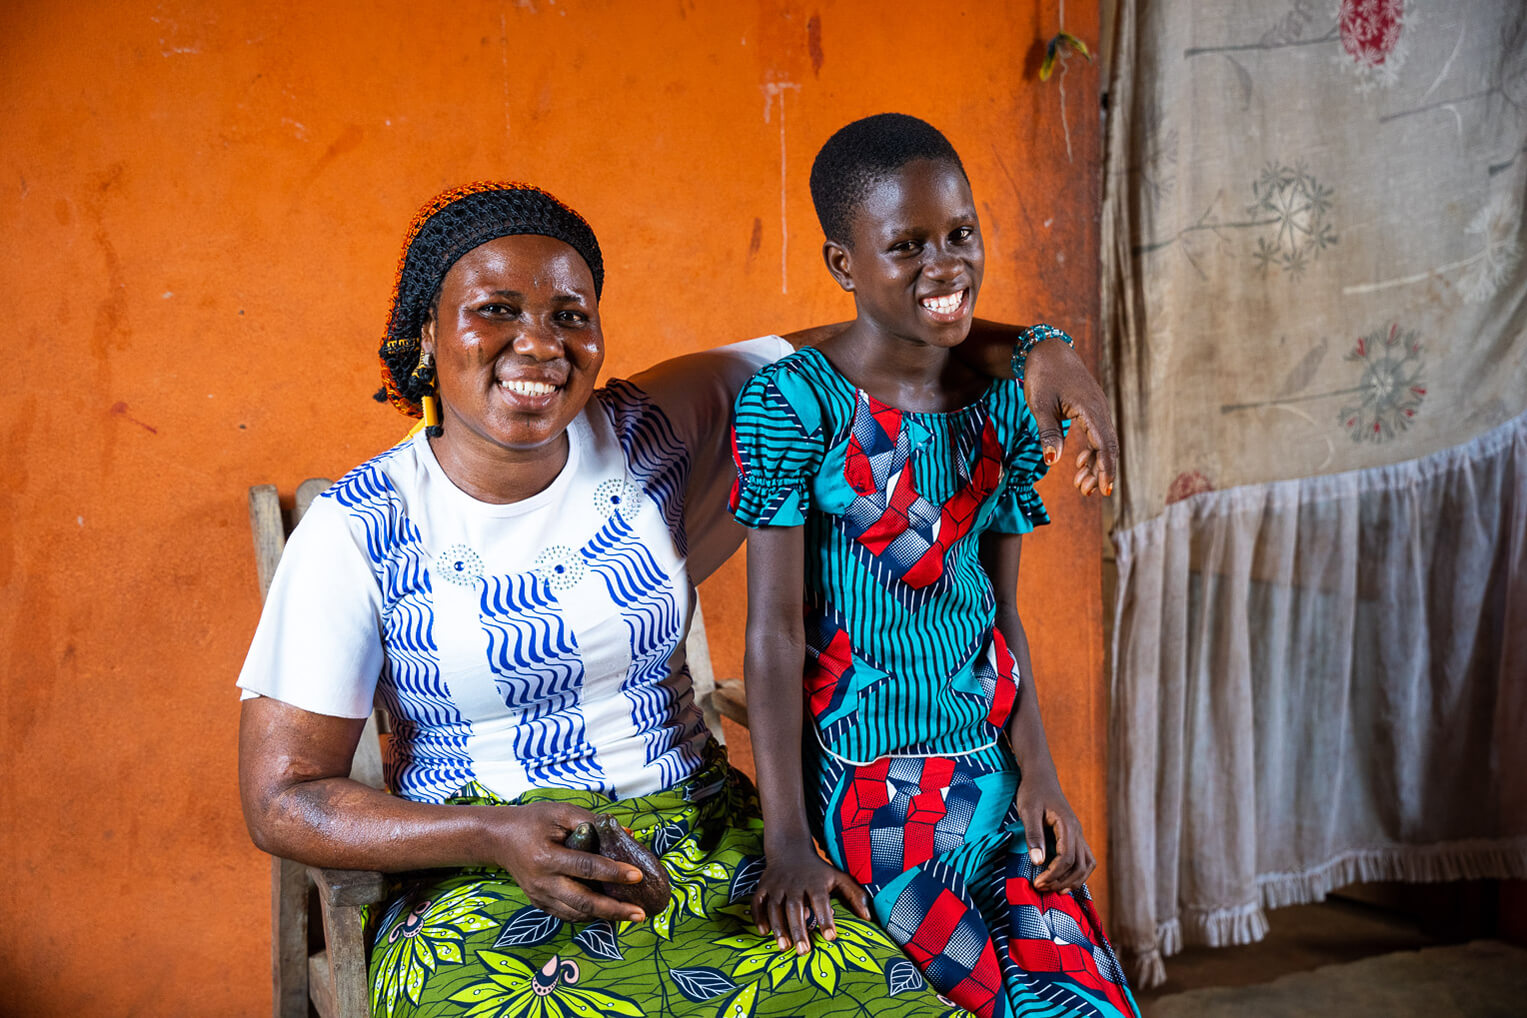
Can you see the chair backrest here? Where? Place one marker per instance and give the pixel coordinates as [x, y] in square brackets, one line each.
[268, 524]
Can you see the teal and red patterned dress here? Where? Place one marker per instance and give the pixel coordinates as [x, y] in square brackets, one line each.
[908, 683]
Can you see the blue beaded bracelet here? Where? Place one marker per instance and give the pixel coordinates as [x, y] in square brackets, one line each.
[1032, 337]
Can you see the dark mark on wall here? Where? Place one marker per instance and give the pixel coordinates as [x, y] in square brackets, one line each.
[119, 409]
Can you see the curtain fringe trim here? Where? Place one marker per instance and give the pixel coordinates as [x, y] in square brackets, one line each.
[1246, 924]
[1148, 971]
[1425, 864]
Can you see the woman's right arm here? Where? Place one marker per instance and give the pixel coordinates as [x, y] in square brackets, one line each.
[300, 803]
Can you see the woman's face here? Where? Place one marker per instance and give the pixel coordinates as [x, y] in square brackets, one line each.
[517, 345]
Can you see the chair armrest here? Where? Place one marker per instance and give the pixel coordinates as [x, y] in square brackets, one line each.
[337, 975]
[348, 888]
[731, 701]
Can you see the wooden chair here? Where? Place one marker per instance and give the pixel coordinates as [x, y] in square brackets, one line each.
[333, 976]
[330, 972]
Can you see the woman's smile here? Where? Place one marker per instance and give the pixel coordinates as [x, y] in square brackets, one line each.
[527, 388]
[530, 395]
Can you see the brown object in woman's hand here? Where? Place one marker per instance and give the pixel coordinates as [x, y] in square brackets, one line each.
[583, 838]
[609, 839]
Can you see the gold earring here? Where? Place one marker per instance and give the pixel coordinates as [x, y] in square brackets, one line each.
[429, 403]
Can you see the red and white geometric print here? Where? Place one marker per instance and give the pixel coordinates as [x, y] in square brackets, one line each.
[900, 824]
[1059, 934]
[907, 533]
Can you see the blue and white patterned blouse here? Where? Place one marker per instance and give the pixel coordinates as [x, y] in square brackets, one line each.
[527, 645]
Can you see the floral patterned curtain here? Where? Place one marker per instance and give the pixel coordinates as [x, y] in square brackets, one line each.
[1316, 305]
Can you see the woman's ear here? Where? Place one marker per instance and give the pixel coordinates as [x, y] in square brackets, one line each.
[840, 263]
[427, 332]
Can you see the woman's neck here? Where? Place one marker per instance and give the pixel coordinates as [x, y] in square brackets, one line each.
[493, 474]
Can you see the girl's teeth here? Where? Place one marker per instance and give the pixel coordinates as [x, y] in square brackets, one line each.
[529, 388]
[945, 305]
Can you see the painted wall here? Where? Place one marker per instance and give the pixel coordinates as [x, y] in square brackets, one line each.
[201, 214]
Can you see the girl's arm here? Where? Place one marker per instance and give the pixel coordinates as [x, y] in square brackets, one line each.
[1039, 801]
[796, 880]
[300, 803]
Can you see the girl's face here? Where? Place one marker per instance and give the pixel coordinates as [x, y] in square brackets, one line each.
[517, 345]
[916, 261]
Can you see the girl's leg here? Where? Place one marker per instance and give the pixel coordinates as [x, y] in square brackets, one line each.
[1052, 945]
[929, 838]
[910, 829]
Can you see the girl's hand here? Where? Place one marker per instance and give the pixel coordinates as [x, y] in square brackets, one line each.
[796, 885]
[1040, 804]
[528, 842]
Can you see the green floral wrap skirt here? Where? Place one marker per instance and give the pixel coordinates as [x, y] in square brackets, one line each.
[469, 942]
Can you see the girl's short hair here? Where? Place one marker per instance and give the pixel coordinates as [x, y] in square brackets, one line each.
[863, 154]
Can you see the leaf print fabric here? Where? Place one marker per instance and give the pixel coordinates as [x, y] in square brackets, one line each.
[470, 944]
[429, 936]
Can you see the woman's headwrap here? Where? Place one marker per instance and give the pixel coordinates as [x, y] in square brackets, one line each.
[447, 228]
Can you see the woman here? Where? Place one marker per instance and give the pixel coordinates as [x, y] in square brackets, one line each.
[514, 584]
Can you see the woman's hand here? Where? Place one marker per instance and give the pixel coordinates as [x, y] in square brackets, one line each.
[1059, 387]
[1040, 804]
[528, 842]
[798, 884]
[300, 803]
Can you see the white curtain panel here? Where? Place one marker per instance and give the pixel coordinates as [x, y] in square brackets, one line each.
[1316, 308]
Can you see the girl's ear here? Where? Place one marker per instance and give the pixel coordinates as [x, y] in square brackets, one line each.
[840, 262]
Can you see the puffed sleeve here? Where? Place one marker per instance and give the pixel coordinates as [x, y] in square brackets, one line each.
[318, 645]
[778, 442]
[1019, 507]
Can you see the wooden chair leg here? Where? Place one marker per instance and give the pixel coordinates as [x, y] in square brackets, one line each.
[344, 961]
[289, 940]
[338, 975]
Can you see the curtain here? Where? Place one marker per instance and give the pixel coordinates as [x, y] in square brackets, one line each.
[1316, 309]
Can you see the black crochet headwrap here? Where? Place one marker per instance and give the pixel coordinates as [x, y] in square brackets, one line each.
[445, 229]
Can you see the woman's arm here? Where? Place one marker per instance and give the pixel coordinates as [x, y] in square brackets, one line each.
[1040, 801]
[1056, 383]
[796, 879]
[300, 803]
[815, 334]
[1058, 387]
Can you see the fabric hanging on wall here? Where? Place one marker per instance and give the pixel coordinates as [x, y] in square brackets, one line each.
[1316, 303]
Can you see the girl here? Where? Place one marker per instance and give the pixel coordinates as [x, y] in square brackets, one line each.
[887, 485]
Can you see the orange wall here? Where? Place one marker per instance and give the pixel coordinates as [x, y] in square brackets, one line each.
[202, 210]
